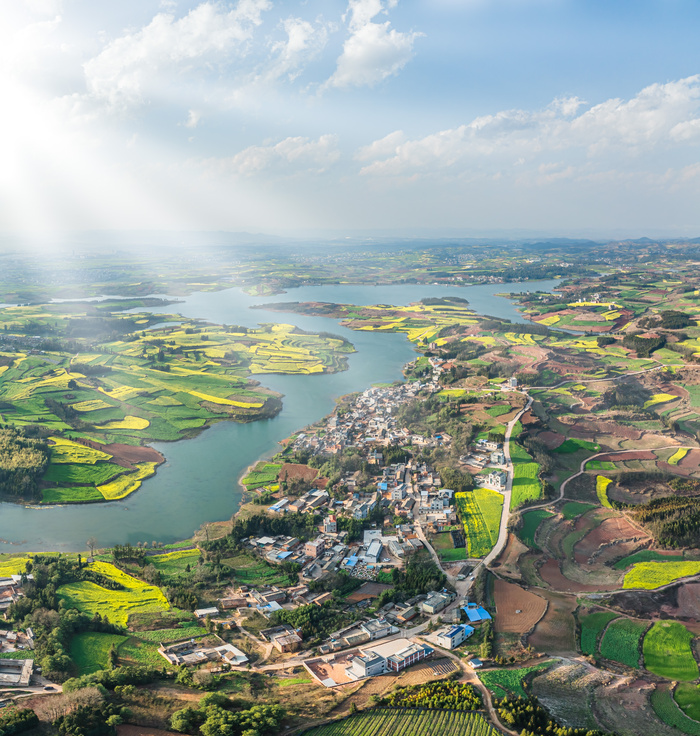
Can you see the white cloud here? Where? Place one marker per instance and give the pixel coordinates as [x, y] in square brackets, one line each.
[373, 51]
[289, 156]
[133, 63]
[193, 118]
[660, 116]
[304, 41]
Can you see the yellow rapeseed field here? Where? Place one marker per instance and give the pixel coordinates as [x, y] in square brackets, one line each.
[125, 484]
[117, 605]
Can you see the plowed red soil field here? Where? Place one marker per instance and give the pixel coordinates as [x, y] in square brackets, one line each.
[609, 531]
[511, 598]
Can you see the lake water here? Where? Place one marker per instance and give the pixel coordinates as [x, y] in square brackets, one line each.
[198, 482]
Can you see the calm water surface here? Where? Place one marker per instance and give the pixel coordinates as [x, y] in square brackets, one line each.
[199, 481]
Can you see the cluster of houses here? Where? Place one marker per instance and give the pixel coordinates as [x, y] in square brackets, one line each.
[370, 422]
[350, 666]
[11, 590]
[198, 651]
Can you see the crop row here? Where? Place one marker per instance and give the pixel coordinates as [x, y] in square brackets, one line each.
[385, 722]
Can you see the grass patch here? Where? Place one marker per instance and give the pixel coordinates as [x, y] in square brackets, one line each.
[499, 410]
[90, 650]
[667, 651]
[650, 575]
[620, 642]
[175, 563]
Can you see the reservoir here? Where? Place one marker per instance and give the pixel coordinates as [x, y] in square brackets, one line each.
[198, 483]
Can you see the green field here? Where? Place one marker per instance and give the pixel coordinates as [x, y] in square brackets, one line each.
[173, 564]
[526, 485]
[666, 709]
[135, 597]
[650, 575]
[592, 626]
[480, 511]
[498, 411]
[531, 522]
[644, 555]
[263, 474]
[409, 722]
[574, 445]
[687, 695]
[668, 652]
[620, 642]
[249, 570]
[442, 543]
[89, 650]
[504, 682]
[572, 509]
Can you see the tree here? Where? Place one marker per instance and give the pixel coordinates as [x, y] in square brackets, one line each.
[113, 657]
[92, 544]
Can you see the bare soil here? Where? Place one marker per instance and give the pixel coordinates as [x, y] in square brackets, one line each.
[554, 634]
[605, 534]
[517, 610]
[291, 471]
[368, 590]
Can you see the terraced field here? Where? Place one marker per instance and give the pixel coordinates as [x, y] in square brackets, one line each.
[621, 639]
[162, 385]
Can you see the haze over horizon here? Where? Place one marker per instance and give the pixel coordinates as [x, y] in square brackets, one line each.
[363, 116]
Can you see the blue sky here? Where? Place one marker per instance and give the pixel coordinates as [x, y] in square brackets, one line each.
[465, 116]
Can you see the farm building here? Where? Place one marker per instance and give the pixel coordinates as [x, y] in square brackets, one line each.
[452, 636]
[374, 551]
[476, 614]
[16, 672]
[204, 612]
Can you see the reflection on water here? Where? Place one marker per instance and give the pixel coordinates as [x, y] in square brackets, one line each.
[199, 481]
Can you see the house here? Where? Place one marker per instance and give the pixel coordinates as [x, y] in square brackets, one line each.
[435, 602]
[476, 614]
[452, 636]
[377, 629]
[204, 612]
[287, 642]
[366, 665]
[192, 652]
[398, 493]
[16, 672]
[498, 457]
[330, 525]
[315, 549]
[374, 551]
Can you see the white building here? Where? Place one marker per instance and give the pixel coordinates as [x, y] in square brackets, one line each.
[452, 636]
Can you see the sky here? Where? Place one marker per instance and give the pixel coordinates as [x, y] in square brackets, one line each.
[386, 116]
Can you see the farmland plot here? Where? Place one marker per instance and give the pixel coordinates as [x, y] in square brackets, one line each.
[480, 511]
[134, 597]
[620, 642]
[667, 651]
